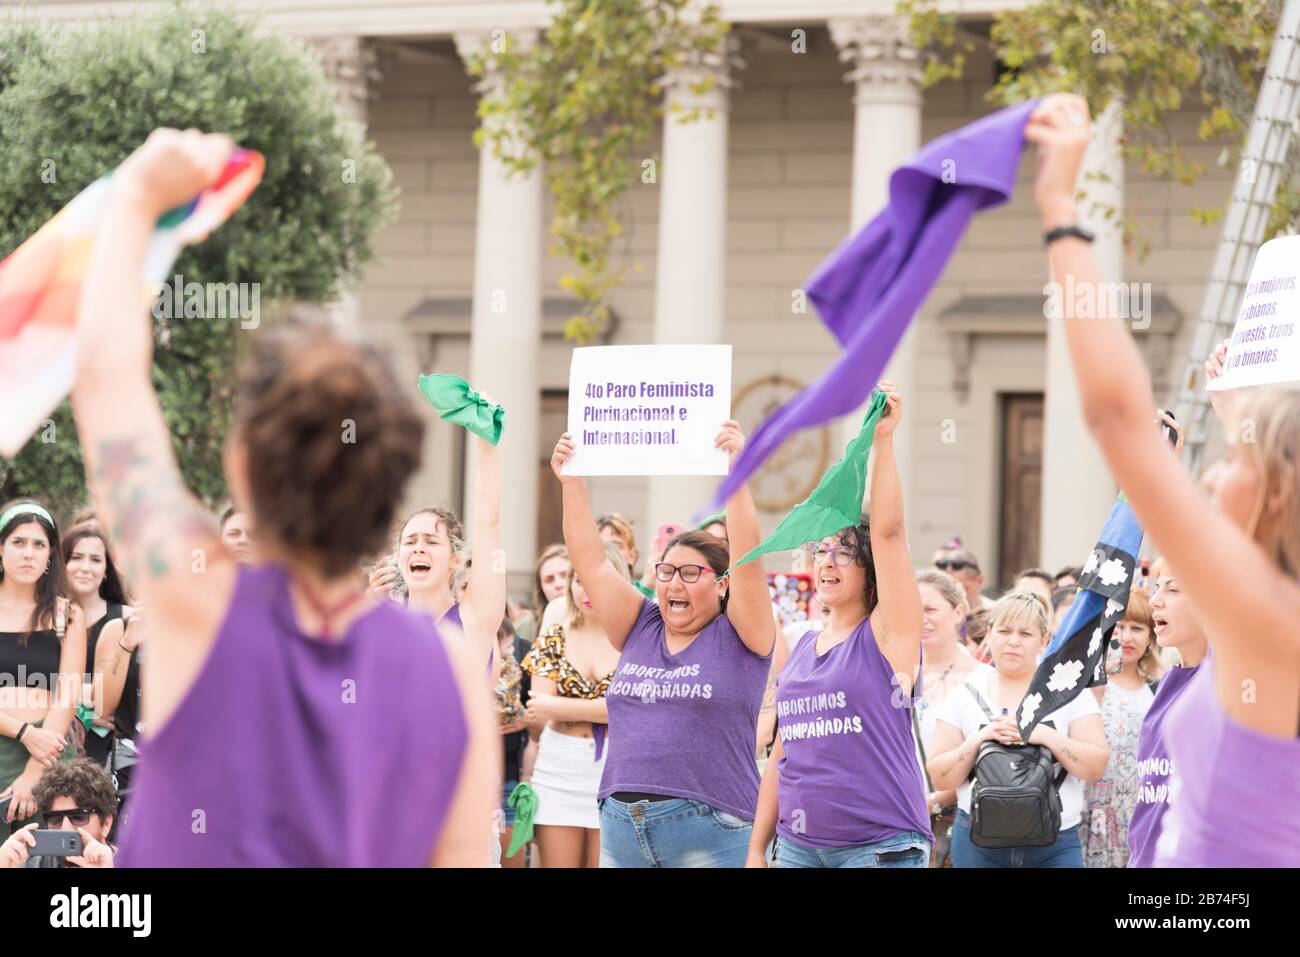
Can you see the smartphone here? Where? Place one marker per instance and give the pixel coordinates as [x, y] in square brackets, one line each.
[57, 843]
[1169, 433]
[667, 532]
[4, 806]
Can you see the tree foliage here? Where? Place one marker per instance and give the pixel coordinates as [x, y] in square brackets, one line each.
[1159, 56]
[75, 102]
[583, 101]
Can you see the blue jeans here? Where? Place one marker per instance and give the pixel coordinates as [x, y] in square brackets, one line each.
[675, 833]
[507, 812]
[1064, 853]
[905, 849]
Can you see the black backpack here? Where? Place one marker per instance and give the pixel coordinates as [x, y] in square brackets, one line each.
[1014, 800]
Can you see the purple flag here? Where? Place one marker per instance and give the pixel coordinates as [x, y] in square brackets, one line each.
[871, 286]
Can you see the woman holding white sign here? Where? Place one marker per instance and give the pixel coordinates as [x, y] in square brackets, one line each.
[680, 782]
[1233, 733]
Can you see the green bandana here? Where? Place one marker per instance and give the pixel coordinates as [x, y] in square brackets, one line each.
[456, 402]
[524, 800]
[835, 503]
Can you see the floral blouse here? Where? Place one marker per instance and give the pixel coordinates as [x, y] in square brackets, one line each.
[1108, 802]
[546, 660]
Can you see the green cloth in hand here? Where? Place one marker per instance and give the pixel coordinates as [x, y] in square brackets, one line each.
[86, 715]
[456, 402]
[836, 502]
[524, 800]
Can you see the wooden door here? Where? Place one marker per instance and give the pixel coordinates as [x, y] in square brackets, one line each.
[1021, 484]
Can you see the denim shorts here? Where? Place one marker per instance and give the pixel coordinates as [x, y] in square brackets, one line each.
[905, 849]
[678, 832]
[507, 812]
[1064, 853]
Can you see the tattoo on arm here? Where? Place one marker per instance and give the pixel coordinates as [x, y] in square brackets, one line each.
[149, 507]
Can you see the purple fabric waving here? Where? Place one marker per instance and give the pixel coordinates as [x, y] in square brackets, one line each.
[871, 286]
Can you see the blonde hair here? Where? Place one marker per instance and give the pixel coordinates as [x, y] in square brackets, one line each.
[575, 614]
[1021, 606]
[620, 525]
[1139, 612]
[947, 586]
[1274, 415]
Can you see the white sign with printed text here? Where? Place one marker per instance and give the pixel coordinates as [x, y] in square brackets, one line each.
[1265, 349]
[648, 410]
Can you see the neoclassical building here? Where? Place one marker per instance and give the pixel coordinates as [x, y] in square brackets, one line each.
[816, 102]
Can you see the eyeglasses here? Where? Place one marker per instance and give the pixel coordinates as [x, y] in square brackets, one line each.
[77, 817]
[953, 565]
[690, 573]
[840, 554]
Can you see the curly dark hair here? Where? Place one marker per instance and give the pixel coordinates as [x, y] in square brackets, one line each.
[858, 538]
[332, 439]
[83, 780]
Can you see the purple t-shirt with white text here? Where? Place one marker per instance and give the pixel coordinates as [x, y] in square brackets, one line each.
[849, 775]
[1154, 770]
[1233, 802]
[685, 725]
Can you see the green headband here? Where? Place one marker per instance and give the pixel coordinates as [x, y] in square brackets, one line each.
[26, 508]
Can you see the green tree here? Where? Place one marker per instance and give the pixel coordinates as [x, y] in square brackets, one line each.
[584, 100]
[76, 102]
[1158, 55]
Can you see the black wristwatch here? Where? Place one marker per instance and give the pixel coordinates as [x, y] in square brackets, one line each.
[1060, 232]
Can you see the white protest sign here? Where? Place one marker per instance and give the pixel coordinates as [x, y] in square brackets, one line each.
[648, 410]
[1265, 349]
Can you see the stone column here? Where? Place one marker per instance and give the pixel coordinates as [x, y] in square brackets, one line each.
[506, 323]
[690, 278]
[886, 77]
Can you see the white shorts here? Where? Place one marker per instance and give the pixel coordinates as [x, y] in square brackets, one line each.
[565, 779]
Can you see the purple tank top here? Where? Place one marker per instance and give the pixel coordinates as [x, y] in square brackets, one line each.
[1234, 799]
[1154, 770]
[294, 751]
[849, 775]
[453, 616]
[686, 725]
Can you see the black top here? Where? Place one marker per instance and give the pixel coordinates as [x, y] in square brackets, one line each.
[34, 665]
[92, 633]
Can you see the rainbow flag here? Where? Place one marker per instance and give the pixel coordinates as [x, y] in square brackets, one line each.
[40, 286]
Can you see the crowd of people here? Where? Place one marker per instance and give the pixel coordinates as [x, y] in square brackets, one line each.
[327, 683]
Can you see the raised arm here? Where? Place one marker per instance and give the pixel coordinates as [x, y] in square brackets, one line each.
[896, 620]
[467, 829]
[1223, 571]
[615, 603]
[485, 597]
[749, 608]
[160, 531]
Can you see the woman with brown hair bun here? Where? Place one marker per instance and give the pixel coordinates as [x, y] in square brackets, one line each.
[256, 672]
